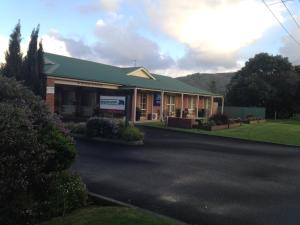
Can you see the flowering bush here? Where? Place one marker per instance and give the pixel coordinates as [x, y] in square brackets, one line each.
[34, 148]
[102, 127]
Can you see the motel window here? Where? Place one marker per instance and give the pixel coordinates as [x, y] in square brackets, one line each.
[171, 105]
[68, 97]
[143, 105]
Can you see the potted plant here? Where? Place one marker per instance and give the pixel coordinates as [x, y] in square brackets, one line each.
[178, 112]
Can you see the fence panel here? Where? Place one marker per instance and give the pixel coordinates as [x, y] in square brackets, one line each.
[243, 112]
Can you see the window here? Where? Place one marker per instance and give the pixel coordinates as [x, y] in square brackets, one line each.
[191, 104]
[171, 105]
[143, 104]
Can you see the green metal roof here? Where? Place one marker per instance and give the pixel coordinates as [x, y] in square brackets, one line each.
[72, 68]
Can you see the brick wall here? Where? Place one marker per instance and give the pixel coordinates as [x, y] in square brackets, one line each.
[50, 101]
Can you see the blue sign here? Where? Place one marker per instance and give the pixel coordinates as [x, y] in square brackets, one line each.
[156, 99]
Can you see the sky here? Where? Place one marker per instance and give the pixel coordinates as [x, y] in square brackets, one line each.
[170, 37]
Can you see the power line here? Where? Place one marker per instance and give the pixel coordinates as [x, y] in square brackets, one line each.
[281, 24]
[279, 2]
[289, 11]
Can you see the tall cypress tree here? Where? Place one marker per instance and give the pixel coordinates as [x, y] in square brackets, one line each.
[42, 78]
[13, 56]
[30, 64]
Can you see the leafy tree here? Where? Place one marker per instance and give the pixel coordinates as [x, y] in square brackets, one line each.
[42, 78]
[13, 56]
[265, 81]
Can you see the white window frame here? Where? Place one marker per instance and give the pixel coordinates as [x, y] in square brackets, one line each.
[171, 105]
[143, 110]
[191, 104]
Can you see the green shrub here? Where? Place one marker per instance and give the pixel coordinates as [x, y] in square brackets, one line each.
[68, 192]
[76, 128]
[34, 148]
[62, 149]
[102, 127]
[219, 119]
[131, 134]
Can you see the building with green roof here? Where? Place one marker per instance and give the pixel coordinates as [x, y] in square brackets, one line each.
[78, 89]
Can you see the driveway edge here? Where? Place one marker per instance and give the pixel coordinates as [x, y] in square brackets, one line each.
[110, 201]
[219, 136]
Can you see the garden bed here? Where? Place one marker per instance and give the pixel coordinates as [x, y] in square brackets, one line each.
[255, 121]
[181, 122]
[107, 130]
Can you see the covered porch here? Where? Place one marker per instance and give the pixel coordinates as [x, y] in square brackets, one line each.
[148, 105]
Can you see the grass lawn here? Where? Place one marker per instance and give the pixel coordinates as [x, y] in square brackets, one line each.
[279, 131]
[109, 216]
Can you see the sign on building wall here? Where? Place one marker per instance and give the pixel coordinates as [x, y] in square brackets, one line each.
[112, 102]
[156, 99]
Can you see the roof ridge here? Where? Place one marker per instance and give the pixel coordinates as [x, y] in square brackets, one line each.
[85, 60]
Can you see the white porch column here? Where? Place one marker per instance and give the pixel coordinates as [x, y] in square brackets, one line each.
[211, 105]
[162, 105]
[197, 106]
[222, 110]
[134, 105]
[181, 109]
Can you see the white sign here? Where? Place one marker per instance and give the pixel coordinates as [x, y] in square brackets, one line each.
[112, 102]
[50, 90]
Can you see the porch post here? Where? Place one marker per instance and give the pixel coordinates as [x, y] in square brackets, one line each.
[211, 105]
[222, 110]
[197, 106]
[152, 101]
[134, 105]
[181, 109]
[162, 105]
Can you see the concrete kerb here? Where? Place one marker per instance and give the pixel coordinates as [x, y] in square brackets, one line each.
[106, 201]
[112, 141]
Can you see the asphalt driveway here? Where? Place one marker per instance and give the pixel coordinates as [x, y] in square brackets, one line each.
[198, 179]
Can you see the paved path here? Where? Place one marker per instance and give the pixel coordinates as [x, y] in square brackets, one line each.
[198, 179]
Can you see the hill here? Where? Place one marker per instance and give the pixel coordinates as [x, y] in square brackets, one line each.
[214, 82]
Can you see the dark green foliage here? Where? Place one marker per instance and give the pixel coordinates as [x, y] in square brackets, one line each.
[62, 149]
[102, 127]
[67, 193]
[29, 69]
[76, 128]
[212, 86]
[131, 134]
[265, 81]
[13, 57]
[31, 65]
[41, 88]
[34, 149]
[219, 119]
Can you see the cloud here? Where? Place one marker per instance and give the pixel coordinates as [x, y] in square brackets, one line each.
[100, 5]
[197, 59]
[3, 48]
[290, 48]
[213, 31]
[53, 42]
[117, 43]
[121, 44]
